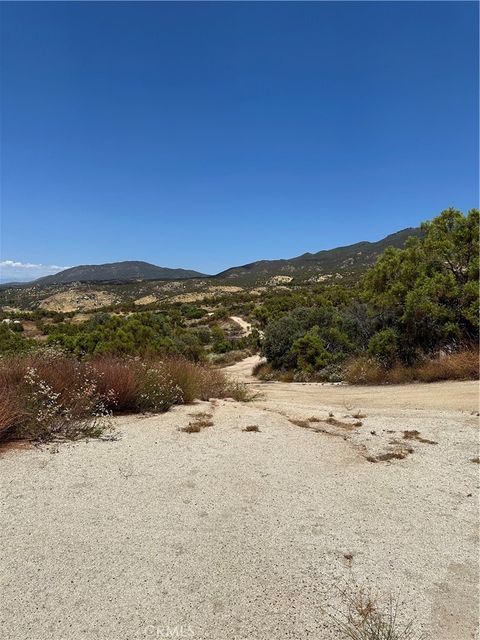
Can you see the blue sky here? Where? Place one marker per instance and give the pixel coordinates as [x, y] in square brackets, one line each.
[205, 135]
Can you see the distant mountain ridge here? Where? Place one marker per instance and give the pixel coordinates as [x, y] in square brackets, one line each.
[350, 258]
[120, 271]
[341, 260]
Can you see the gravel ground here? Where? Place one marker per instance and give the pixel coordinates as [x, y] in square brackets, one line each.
[229, 534]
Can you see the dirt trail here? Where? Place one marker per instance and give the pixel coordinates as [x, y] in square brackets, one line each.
[245, 326]
[441, 396]
[228, 534]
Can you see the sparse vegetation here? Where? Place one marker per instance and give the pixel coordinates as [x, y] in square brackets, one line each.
[415, 435]
[199, 422]
[50, 395]
[363, 616]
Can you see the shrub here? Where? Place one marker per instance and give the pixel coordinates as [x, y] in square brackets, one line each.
[305, 339]
[11, 341]
[454, 366]
[462, 365]
[53, 397]
[310, 352]
[384, 347]
[49, 395]
[10, 411]
[157, 391]
[117, 383]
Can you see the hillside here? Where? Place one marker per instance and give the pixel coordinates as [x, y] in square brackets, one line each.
[116, 271]
[354, 257]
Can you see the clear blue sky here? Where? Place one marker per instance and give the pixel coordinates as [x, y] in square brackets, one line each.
[206, 135]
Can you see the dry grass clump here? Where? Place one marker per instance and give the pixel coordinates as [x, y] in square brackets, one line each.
[358, 415]
[49, 395]
[415, 435]
[398, 452]
[476, 460]
[338, 423]
[305, 424]
[192, 427]
[200, 421]
[10, 411]
[364, 616]
[252, 428]
[463, 365]
[455, 366]
[265, 371]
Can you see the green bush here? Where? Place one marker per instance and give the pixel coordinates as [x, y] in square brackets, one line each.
[384, 347]
[414, 302]
[12, 341]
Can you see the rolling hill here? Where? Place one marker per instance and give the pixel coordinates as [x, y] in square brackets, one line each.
[117, 271]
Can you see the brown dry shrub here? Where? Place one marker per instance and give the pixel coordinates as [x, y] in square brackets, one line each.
[462, 365]
[201, 382]
[117, 382]
[263, 371]
[363, 370]
[11, 413]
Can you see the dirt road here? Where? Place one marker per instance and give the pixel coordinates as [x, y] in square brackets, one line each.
[228, 534]
[243, 324]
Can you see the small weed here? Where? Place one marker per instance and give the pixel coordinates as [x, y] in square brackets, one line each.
[364, 617]
[476, 460]
[359, 416]
[192, 427]
[201, 421]
[251, 428]
[358, 423]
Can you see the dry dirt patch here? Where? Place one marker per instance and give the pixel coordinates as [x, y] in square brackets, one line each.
[77, 300]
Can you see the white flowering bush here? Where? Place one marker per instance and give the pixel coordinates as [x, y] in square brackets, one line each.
[158, 391]
[70, 413]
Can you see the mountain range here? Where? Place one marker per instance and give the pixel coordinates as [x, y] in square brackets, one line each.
[348, 259]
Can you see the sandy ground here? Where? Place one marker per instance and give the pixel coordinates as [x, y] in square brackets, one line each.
[228, 534]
